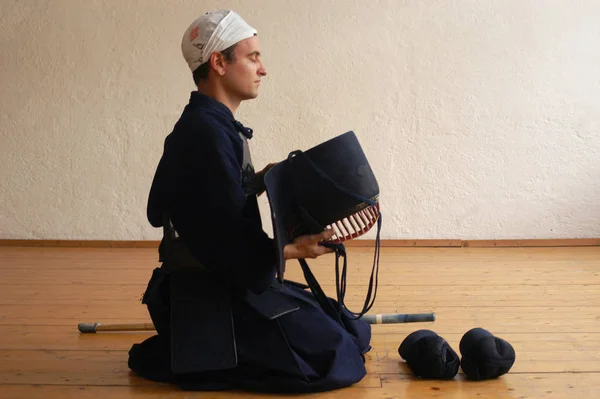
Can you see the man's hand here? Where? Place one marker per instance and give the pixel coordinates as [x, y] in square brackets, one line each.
[307, 246]
[261, 176]
[266, 168]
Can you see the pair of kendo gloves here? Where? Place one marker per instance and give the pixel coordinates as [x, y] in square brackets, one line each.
[484, 356]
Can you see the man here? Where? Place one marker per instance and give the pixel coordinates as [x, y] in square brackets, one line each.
[226, 322]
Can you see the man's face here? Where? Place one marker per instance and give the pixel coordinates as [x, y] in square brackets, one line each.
[243, 76]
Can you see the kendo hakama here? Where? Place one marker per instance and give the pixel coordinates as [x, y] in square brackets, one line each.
[223, 320]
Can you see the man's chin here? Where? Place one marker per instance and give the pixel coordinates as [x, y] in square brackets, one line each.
[251, 96]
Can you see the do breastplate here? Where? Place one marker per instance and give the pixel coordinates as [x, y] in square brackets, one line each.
[251, 183]
[248, 172]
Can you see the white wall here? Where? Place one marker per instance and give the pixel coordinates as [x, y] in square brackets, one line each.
[481, 119]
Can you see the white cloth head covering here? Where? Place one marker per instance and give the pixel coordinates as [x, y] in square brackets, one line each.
[214, 31]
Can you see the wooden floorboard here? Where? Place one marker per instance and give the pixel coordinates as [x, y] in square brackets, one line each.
[533, 385]
[544, 301]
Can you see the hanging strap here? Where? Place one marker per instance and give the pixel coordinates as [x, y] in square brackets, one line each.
[340, 251]
[317, 291]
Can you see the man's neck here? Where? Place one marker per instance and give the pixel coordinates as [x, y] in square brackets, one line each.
[220, 95]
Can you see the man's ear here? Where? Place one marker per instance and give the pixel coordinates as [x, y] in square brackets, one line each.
[217, 62]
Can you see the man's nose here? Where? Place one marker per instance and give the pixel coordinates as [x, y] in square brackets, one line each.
[262, 70]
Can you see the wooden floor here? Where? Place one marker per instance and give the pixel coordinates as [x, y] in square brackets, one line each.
[544, 301]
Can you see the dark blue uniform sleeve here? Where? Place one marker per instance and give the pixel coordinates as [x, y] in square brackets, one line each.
[208, 210]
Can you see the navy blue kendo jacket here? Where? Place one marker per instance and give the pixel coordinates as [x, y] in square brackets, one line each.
[200, 182]
[278, 339]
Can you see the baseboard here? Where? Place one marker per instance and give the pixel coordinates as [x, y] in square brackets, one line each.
[572, 242]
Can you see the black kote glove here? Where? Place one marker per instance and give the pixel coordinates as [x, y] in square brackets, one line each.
[485, 356]
[429, 356]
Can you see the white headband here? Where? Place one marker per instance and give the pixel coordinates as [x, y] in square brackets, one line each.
[214, 31]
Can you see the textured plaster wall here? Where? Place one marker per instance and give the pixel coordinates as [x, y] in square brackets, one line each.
[481, 119]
